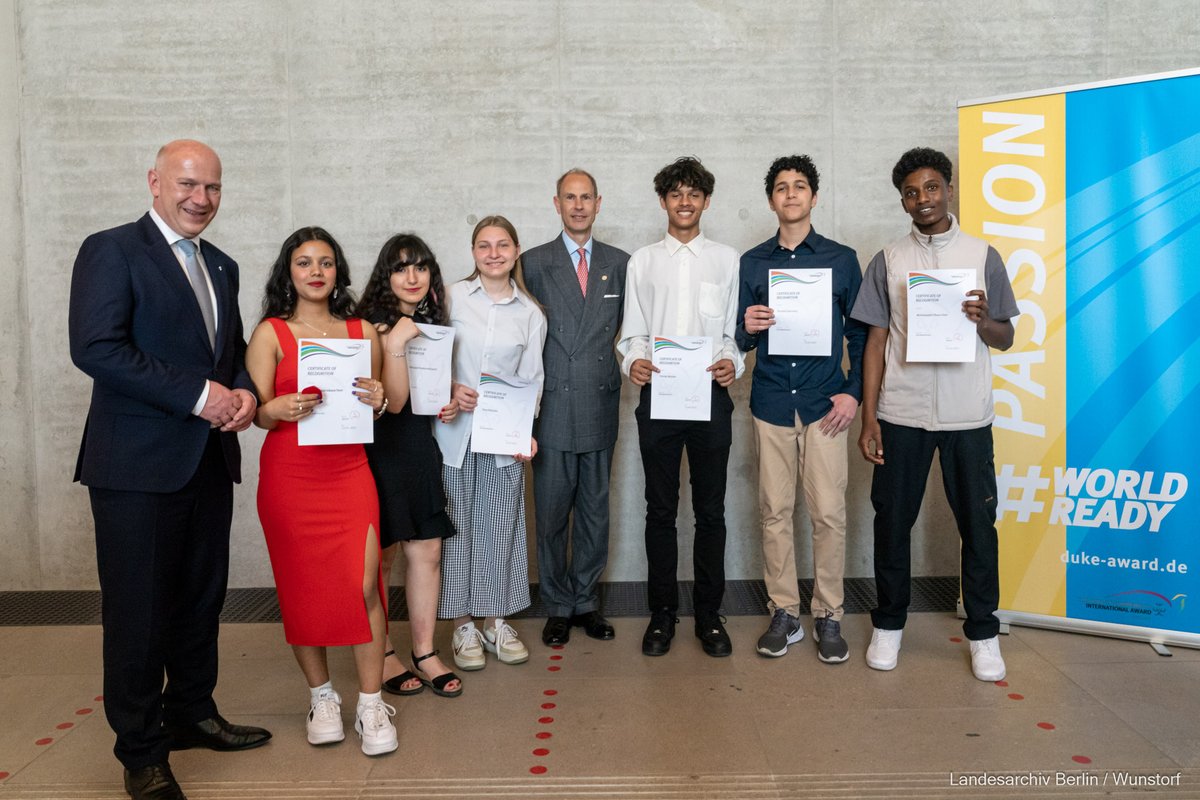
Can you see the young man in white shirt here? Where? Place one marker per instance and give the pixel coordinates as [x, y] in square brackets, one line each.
[684, 285]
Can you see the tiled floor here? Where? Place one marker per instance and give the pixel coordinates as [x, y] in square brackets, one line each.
[599, 720]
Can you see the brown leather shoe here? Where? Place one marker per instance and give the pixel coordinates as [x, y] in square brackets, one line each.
[216, 733]
[154, 782]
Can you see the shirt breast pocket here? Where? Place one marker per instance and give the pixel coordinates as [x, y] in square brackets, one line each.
[711, 302]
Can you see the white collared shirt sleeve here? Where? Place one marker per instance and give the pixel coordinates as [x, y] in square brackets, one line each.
[635, 331]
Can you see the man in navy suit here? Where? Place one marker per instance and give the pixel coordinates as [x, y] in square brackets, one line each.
[154, 322]
[581, 285]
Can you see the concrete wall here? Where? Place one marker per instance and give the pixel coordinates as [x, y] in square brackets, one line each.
[374, 117]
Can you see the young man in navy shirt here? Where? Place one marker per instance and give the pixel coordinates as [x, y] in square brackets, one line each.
[802, 406]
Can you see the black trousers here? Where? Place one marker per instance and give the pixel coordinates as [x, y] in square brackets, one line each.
[897, 489]
[662, 444]
[163, 561]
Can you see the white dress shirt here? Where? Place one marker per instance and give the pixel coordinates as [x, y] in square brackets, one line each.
[504, 338]
[173, 239]
[677, 289]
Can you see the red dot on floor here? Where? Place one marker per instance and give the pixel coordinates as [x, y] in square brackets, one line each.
[956, 638]
[556, 647]
[99, 698]
[550, 692]
[556, 658]
[4, 775]
[83, 711]
[555, 668]
[549, 705]
[45, 741]
[62, 726]
[1015, 696]
[1046, 726]
[544, 735]
[541, 751]
[538, 770]
[1002, 683]
[545, 720]
[1081, 759]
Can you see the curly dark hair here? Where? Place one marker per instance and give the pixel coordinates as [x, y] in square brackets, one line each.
[802, 164]
[379, 304]
[684, 171]
[921, 158]
[278, 298]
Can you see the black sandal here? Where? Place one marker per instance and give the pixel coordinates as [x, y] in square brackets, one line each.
[438, 684]
[396, 685]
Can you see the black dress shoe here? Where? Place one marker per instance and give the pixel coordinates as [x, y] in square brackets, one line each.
[657, 639]
[712, 636]
[154, 782]
[216, 733]
[594, 625]
[557, 631]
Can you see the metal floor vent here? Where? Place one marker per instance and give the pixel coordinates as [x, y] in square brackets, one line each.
[617, 599]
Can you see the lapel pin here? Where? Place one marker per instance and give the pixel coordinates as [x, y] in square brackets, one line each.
[603, 277]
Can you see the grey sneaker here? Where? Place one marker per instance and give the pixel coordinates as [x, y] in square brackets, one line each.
[831, 647]
[784, 630]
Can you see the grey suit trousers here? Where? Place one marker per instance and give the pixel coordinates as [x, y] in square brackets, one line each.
[571, 500]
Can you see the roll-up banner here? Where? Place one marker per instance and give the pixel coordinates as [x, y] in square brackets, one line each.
[1091, 194]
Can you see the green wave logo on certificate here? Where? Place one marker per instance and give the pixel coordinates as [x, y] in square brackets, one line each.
[682, 387]
[938, 330]
[332, 365]
[802, 301]
[503, 418]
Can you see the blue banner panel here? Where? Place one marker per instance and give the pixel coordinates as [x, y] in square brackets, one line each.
[1133, 355]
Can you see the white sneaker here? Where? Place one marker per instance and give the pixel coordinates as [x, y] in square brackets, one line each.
[502, 640]
[325, 719]
[468, 647]
[884, 649]
[986, 661]
[374, 725]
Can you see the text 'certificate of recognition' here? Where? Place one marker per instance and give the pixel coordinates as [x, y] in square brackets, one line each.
[682, 387]
[332, 365]
[429, 357]
[503, 422]
[938, 330]
[801, 300]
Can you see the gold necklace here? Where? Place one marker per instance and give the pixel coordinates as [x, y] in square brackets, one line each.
[309, 324]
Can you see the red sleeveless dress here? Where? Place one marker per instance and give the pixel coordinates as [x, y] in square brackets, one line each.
[316, 504]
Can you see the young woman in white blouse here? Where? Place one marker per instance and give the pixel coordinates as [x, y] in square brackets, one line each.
[499, 329]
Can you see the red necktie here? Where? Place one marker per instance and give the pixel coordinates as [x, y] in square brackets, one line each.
[581, 271]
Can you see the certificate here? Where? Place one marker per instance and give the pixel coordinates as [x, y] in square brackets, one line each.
[938, 330]
[429, 357]
[332, 365]
[503, 418]
[682, 387]
[801, 300]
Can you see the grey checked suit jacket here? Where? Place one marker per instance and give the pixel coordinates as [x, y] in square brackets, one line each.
[582, 395]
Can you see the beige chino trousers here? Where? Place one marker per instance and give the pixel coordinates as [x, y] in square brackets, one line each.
[820, 462]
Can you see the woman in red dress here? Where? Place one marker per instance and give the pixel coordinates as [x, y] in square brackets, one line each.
[318, 506]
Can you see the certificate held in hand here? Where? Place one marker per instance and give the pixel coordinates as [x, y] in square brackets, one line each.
[503, 418]
[938, 330]
[801, 300]
[332, 365]
[682, 387]
[429, 357]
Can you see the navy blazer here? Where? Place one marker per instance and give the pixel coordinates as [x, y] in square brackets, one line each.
[581, 396]
[136, 329]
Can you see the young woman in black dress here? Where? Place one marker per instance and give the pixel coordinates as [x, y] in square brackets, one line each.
[405, 288]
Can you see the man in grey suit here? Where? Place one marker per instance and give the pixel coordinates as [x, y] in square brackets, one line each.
[581, 285]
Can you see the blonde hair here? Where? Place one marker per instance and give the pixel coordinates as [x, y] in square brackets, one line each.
[517, 274]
